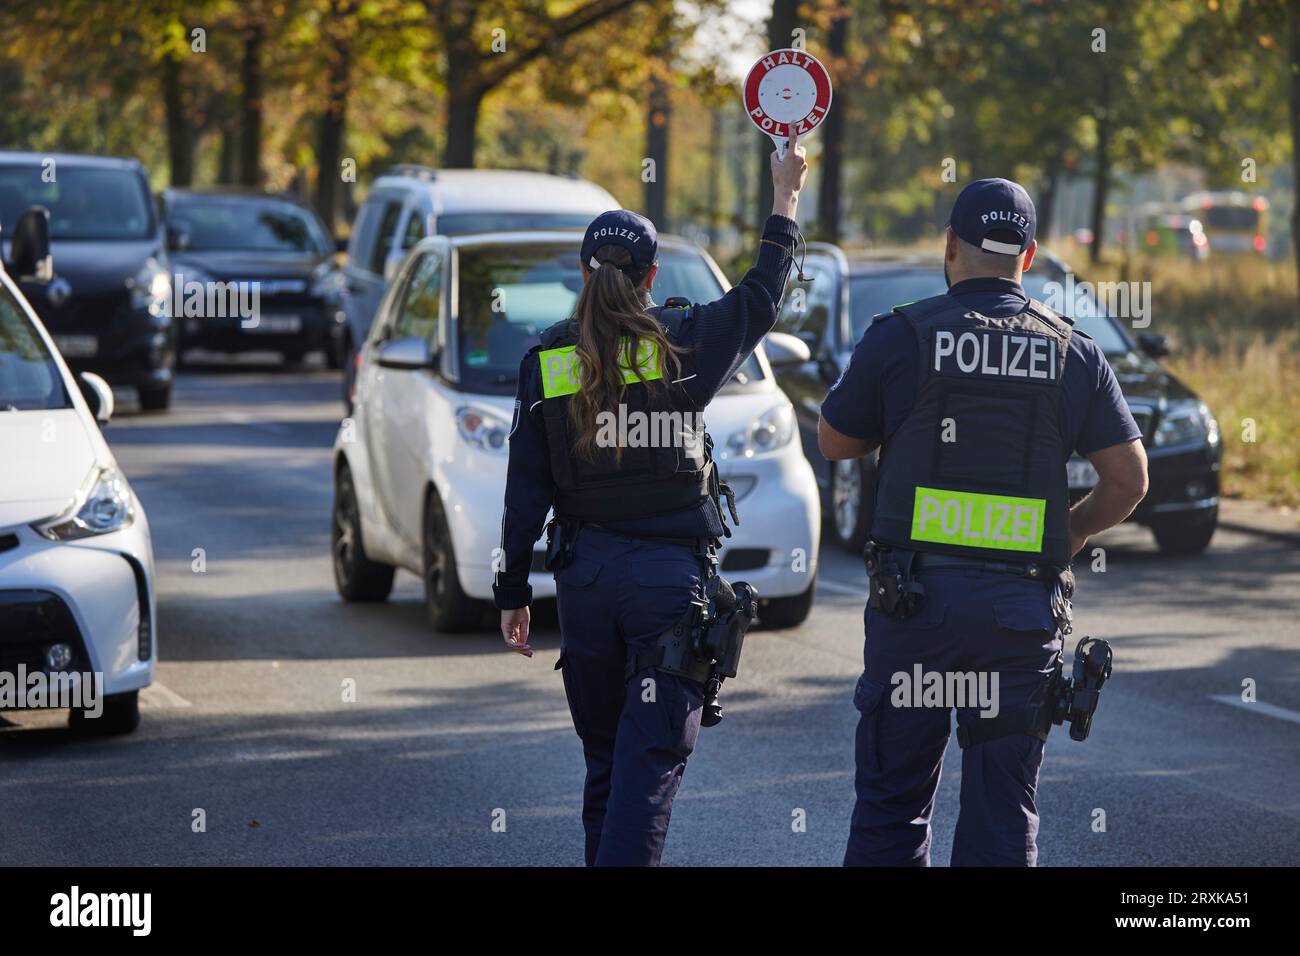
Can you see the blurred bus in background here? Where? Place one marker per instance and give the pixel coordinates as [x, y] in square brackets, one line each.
[1235, 223]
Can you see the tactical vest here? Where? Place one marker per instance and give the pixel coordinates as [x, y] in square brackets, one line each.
[666, 463]
[978, 466]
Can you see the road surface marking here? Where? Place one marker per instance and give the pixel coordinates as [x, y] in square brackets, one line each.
[1271, 710]
[160, 696]
[835, 587]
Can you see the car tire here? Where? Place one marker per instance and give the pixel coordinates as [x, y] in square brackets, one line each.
[1177, 535]
[852, 496]
[293, 358]
[333, 356]
[781, 613]
[356, 577]
[451, 610]
[121, 715]
[155, 398]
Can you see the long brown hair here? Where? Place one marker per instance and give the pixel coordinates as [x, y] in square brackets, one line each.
[612, 321]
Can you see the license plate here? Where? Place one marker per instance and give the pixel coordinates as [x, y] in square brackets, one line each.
[77, 346]
[276, 324]
[1080, 474]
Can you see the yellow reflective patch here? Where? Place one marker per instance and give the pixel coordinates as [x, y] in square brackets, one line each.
[975, 520]
[562, 368]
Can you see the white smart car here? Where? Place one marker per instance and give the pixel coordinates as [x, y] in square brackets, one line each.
[420, 468]
[76, 565]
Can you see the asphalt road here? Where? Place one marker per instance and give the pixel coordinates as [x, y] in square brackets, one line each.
[448, 733]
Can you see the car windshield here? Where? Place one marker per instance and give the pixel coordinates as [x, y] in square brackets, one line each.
[463, 223]
[247, 225]
[29, 377]
[873, 293]
[508, 296]
[85, 202]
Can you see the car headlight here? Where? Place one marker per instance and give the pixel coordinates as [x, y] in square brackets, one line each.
[770, 431]
[103, 505]
[327, 282]
[1186, 422]
[151, 289]
[483, 429]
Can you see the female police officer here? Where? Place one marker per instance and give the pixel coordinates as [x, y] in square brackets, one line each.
[631, 514]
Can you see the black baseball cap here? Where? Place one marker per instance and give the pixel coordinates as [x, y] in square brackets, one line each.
[995, 215]
[622, 227]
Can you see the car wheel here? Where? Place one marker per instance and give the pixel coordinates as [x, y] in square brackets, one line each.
[1178, 535]
[121, 715]
[334, 355]
[155, 398]
[293, 358]
[852, 485]
[778, 613]
[356, 577]
[451, 610]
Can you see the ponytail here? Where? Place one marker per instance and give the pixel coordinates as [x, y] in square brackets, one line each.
[612, 322]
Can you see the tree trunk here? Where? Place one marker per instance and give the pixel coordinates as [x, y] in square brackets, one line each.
[715, 176]
[1102, 172]
[250, 139]
[329, 149]
[658, 112]
[180, 144]
[1293, 28]
[1047, 201]
[780, 27]
[828, 197]
[463, 102]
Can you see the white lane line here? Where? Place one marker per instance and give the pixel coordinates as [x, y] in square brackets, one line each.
[238, 418]
[1270, 710]
[836, 587]
[161, 696]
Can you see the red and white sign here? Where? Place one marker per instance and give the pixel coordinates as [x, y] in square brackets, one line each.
[787, 90]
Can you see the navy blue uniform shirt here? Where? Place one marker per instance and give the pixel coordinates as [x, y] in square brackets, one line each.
[878, 388]
[721, 335]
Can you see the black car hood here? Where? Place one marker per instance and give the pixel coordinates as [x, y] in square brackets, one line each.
[94, 268]
[227, 265]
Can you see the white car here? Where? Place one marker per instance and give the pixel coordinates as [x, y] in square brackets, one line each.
[420, 469]
[76, 564]
[408, 203]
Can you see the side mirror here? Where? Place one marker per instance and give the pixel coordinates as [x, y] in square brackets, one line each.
[178, 236]
[30, 251]
[785, 350]
[409, 352]
[97, 395]
[1156, 346]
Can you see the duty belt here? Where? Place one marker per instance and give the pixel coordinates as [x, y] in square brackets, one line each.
[929, 561]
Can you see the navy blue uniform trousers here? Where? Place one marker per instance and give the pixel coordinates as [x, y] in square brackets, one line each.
[621, 593]
[970, 622]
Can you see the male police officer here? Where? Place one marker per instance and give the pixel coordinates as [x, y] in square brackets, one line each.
[976, 399]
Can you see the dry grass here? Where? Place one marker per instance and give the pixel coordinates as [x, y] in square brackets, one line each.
[1255, 384]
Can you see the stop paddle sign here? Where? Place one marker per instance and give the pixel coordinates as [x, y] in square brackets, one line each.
[787, 90]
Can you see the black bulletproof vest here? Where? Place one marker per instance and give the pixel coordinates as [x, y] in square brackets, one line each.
[978, 466]
[665, 463]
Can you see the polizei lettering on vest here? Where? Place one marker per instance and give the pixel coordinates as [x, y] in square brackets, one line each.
[994, 353]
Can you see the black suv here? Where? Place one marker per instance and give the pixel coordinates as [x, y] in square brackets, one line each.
[228, 242]
[831, 313]
[108, 306]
